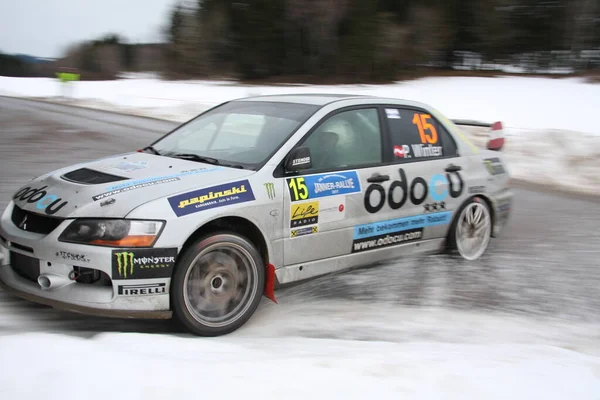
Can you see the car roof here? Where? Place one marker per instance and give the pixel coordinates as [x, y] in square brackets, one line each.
[322, 99]
[317, 99]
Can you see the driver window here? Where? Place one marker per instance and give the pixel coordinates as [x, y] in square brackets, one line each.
[348, 139]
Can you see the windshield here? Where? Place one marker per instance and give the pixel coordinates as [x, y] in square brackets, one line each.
[241, 133]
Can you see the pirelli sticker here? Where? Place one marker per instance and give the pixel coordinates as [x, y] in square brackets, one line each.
[307, 230]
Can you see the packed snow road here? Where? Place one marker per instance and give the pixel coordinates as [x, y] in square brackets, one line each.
[540, 278]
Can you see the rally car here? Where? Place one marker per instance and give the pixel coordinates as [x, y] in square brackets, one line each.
[249, 195]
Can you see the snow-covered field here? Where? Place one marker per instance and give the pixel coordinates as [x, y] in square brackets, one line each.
[340, 350]
[343, 351]
[551, 124]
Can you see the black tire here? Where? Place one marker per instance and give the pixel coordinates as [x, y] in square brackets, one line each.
[453, 240]
[214, 281]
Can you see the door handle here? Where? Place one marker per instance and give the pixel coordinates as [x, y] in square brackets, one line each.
[453, 168]
[377, 178]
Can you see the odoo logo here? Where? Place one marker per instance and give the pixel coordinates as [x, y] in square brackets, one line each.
[143, 263]
[50, 203]
[409, 190]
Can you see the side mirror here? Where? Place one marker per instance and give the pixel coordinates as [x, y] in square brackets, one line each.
[298, 159]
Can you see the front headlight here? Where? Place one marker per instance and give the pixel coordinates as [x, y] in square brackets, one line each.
[112, 232]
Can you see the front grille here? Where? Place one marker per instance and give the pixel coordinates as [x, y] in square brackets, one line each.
[32, 222]
[25, 266]
[91, 177]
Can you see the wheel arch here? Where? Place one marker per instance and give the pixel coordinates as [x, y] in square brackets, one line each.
[486, 199]
[235, 224]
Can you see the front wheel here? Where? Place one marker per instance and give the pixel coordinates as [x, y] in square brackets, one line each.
[217, 284]
[471, 230]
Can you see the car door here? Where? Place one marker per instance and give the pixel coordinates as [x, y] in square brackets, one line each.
[412, 197]
[324, 203]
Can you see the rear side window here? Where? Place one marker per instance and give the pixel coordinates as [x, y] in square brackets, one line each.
[417, 136]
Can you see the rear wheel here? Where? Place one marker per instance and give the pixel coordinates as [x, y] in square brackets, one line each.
[471, 230]
[217, 284]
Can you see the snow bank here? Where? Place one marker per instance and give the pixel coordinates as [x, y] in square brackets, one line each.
[326, 349]
[525, 103]
[136, 366]
[551, 122]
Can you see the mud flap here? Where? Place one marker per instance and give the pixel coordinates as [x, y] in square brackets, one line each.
[269, 292]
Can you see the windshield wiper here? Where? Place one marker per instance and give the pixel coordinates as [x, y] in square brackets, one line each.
[152, 149]
[196, 157]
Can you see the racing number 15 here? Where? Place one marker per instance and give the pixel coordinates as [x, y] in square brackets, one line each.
[420, 120]
[298, 189]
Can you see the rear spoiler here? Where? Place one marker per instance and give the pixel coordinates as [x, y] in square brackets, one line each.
[495, 136]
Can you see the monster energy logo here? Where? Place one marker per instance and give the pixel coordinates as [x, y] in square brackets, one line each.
[124, 261]
[494, 166]
[270, 190]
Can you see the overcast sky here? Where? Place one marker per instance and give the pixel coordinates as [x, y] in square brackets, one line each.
[45, 28]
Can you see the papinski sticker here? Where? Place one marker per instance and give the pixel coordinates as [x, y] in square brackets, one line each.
[216, 196]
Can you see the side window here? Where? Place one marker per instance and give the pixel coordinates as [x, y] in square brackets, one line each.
[348, 139]
[416, 135]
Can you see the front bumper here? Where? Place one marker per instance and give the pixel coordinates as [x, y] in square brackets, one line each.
[42, 255]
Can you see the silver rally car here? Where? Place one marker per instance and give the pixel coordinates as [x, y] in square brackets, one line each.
[251, 194]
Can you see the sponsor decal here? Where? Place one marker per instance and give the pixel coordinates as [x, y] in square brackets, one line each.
[432, 207]
[216, 196]
[142, 183]
[423, 150]
[130, 166]
[142, 289]
[143, 263]
[494, 166]
[332, 209]
[476, 189]
[323, 185]
[270, 188]
[67, 255]
[49, 203]
[304, 214]
[402, 151]
[300, 161]
[392, 113]
[394, 226]
[309, 230]
[439, 187]
[386, 240]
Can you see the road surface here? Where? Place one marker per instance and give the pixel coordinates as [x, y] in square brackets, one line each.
[545, 267]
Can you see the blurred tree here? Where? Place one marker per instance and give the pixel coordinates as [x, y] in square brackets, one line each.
[372, 40]
[11, 65]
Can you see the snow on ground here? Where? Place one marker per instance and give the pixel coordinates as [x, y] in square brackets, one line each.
[416, 354]
[134, 366]
[553, 135]
[333, 350]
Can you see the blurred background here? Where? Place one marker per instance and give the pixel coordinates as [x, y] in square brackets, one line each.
[324, 41]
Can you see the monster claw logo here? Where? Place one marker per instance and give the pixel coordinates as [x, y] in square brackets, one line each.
[494, 166]
[270, 187]
[143, 263]
[124, 264]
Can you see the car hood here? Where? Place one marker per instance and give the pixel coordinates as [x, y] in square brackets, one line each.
[114, 186]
